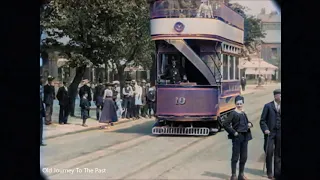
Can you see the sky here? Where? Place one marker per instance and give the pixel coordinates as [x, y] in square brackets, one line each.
[255, 6]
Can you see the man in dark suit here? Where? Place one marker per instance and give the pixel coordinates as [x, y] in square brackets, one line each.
[49, 96]
[98, 97]
[270, 124]
[85, 89]
[42, 112]
[64, 102]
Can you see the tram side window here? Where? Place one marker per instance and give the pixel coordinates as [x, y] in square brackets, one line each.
[225, 67]
[231, 67]
[237, 68]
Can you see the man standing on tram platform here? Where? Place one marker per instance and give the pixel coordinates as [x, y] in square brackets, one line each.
[172, 73]
[270, 124]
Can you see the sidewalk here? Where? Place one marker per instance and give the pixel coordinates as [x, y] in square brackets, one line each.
[75, 126]
[252, 88]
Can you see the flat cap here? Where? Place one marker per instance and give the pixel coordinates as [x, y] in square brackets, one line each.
[239, 98]
[277, 91]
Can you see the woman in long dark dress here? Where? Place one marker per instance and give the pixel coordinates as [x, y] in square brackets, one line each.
[238, 126]
[109, 113]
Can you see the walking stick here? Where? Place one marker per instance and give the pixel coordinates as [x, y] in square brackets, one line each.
[265, 160]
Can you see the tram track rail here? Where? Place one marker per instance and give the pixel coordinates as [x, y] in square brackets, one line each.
[197, 148]
[117, 148]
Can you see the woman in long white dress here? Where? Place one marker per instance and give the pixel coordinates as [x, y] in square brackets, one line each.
[138, 98]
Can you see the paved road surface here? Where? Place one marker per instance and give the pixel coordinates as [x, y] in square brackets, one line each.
[129, 151]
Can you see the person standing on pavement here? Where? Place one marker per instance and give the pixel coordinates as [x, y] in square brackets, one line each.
[144, 98]
[85, 89]
[98, 97]
[138, 99]
[118, 98]
[49, 96]
[42, 112]
[133, 100]
[243, 83]
[151, 101]
[127, 92]
[108, 114]
[85, 106]
[238, 126]
[270, 124]
[64, 102]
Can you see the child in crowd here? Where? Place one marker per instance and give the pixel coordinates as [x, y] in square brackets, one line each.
[85, 107]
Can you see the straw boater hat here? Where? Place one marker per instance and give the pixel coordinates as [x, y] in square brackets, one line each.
[50, 78]
[144, 81]
[116, 82]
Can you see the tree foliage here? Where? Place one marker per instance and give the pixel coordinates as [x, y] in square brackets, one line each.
[99, 30]
[252, 29]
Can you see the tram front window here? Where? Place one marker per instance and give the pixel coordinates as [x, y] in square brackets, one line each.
[186, 71]
[171, 68]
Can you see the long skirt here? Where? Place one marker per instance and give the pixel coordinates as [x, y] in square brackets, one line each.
[109, 113]
[138, 101]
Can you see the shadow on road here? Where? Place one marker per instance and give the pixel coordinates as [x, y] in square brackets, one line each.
[144, 128]
[257, 172]
[216, 175]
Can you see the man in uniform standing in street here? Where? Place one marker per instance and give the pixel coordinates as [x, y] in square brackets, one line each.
[86, 89]
[49, 96]
[64, 102]
[270, 124]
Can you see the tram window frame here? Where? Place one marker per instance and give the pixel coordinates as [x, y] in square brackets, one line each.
[231, 67]
[237, 68]
[225, 64]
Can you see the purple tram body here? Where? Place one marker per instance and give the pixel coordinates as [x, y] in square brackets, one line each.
[187, 101]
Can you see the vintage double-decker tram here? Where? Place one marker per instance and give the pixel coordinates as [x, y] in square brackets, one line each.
[204, 38]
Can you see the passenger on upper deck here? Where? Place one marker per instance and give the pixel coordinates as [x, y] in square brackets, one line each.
[205, 10]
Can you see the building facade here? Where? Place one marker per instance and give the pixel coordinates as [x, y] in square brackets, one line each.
[271, 43]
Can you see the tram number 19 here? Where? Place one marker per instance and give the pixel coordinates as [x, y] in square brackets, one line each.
[180, 100]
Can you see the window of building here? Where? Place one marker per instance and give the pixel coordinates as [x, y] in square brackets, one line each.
[274, 53]
[237, 68]
[231, 67]
[225, 67]
[271, 26]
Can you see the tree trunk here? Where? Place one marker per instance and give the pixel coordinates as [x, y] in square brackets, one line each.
[73, 88]
[121, 76]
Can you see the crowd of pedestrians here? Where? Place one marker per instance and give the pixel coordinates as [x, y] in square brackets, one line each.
[136, 100]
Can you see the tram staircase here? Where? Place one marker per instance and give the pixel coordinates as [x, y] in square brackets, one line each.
[188, 52]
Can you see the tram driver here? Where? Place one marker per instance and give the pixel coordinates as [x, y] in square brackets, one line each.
[174, 73]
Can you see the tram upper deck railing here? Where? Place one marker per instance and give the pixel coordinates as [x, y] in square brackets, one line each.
[196, 9]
